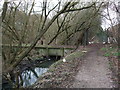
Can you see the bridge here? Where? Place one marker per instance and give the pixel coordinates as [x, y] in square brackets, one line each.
[45, 50]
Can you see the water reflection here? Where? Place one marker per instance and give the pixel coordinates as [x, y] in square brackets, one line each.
[30, 76]
[28, 71]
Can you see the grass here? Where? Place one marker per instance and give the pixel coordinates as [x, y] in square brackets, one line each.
[68, 58]
[59, 71]
[107, 54]
[110, 51]
[112, 54]
[104, 49]
[116, 54]
[110, 65]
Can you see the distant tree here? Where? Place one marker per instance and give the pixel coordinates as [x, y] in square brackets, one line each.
[112, 30]
[85, 25]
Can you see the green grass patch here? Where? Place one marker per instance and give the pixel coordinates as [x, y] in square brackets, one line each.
[59, 71]
[116, 54]
[110, 51]
[108, 48]
[107, 54]
[104, 49]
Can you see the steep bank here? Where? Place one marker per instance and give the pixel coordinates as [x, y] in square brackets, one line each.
[60, 74]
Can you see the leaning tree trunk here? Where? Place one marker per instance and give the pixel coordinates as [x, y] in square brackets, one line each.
[84, 40]
[86, 37]
[79, 40]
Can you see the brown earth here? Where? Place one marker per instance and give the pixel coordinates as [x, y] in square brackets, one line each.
[89, 71]
[94, 72]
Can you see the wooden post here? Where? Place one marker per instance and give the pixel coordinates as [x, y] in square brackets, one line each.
[63, 51]
[47, 51]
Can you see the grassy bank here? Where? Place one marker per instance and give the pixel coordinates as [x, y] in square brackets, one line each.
[60, 74]
[112, 52]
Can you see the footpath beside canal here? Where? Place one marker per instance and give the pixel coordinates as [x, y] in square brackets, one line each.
[61, 73]
[85, 68]
[94, 72]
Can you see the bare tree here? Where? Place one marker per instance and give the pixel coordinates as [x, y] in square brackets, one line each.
[111, 7]
[17, 30]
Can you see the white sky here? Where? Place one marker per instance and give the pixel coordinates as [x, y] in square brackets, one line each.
[105, 23]
[113, 16]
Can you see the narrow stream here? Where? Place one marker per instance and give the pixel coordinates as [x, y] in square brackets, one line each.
[30, 71]
[29, 76]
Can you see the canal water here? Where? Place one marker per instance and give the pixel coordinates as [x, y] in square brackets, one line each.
[30, 77]
[31, 71]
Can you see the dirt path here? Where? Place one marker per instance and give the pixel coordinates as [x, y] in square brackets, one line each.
[94, 72]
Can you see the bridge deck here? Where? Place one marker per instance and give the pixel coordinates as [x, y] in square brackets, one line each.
[47, 49]
[41, 46]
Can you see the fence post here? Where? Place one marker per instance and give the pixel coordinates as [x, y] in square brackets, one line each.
[63, 51]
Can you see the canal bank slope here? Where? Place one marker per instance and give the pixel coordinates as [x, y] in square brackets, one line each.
[61, 74]
[81, 70]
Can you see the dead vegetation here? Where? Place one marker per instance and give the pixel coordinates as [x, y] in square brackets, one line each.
[60, 74]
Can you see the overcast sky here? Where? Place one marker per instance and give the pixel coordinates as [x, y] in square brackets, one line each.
[105, 23]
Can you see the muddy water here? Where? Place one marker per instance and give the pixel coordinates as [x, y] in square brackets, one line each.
[29, 77]
[30, 71]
